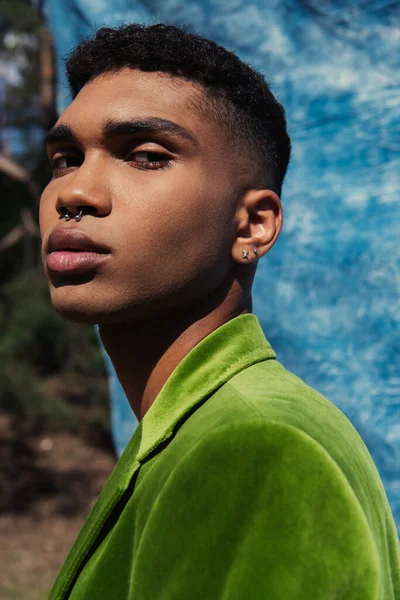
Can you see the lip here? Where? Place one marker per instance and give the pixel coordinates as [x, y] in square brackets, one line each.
[75, 240]
[72, 251]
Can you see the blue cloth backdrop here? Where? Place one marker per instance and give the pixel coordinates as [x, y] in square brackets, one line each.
[328, 294]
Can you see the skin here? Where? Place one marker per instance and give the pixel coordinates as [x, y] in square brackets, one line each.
[176, 224]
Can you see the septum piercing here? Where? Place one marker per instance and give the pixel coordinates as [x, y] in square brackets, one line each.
[77, 217]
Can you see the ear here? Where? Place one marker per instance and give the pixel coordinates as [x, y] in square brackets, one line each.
[259, 221]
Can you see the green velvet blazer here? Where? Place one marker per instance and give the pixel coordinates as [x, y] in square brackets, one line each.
[241, 483]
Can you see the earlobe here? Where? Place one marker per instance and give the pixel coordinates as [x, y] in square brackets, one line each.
[259, 222]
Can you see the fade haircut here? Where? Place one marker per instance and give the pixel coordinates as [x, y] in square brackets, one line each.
[234, 95]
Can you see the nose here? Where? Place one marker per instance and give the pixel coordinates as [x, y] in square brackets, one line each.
[85, 190]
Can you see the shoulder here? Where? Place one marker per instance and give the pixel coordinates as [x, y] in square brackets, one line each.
[275, 495]
[262, 458]
[269, 394]
[266, 382]
[265, 409]
[270, 448]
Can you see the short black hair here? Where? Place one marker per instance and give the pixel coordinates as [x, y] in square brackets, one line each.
[236, 95]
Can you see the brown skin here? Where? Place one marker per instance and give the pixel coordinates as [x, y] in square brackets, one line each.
[177, 225]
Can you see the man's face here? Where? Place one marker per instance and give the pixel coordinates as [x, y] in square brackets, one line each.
[158, 187]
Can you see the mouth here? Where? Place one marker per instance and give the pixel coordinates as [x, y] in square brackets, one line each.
[72, 251]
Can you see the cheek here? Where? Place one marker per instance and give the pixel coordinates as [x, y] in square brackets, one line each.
[203, 224]
[42, 212]
[177, 230]
[177, 210]
[47, 211]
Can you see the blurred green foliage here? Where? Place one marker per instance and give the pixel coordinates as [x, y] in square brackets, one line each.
[52, 372]
[21, 36]
[23, 121]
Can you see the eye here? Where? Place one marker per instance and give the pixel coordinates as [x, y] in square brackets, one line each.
[150, 159]
[62, 162]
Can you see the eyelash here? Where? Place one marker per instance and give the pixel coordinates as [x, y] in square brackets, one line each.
[59, 157]
[155, 164]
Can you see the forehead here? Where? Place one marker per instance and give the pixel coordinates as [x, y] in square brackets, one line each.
[129, 94]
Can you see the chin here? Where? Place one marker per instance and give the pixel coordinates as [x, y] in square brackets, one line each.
[76, 304]
[78, 314]
[93, 304]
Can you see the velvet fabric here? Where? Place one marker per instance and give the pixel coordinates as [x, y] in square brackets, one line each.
[241, 482]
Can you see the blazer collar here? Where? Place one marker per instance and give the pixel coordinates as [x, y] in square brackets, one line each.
[228, 350]
[217, 358]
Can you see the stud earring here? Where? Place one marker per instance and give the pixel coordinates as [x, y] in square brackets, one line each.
[255, 251]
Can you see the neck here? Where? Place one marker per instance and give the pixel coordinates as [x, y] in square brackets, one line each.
[145, 352]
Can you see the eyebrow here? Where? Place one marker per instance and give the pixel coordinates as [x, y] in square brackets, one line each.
[114, 128]
[60, 133]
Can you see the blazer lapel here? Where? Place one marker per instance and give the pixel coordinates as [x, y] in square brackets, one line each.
[116, 485]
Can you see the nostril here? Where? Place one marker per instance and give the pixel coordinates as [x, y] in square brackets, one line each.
[86, 210]
[90, 210]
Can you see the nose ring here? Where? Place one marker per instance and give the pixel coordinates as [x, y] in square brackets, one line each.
[77, 217]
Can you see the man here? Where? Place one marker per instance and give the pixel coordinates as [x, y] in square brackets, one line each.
[240, 481]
